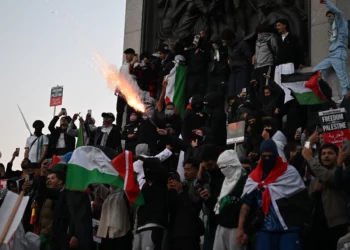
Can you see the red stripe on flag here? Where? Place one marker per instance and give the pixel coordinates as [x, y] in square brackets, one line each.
[124, 165]
[315, 87]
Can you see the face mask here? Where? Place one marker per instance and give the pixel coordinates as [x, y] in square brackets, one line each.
[269, 163]
[169, 112]
[133, 118]
[227, 171]
[107, 123]
[331, 20]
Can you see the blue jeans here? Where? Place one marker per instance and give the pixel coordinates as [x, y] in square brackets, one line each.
[278, 241]
[337, 60]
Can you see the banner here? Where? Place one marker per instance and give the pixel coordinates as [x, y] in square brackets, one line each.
[56, 96]
[235, 132]
[334, 126]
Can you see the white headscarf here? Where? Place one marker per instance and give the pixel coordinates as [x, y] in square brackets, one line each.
[232, 169]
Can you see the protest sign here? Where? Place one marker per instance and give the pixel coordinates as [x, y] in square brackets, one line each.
[235, 132]
[11, 213]
[56, 96]
[334, 126]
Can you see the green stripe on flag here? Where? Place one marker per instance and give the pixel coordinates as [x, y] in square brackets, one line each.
[307, 98]
[79, 178]
[179, 92]
[80, 141]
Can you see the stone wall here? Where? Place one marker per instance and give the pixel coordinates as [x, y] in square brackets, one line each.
[319, 38]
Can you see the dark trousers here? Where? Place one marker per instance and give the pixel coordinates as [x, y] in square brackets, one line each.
[217, 82]
[122, 243]
[239, 79]
[196, 84]
[184, 244]
[259, 75]
[121, 103]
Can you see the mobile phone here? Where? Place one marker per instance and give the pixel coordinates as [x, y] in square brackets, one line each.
[299, 129]
[49, 161]
[64, 110]
[27, 178]
[244, 90]
[307, 145]
[171, 175]
[319, 130]
[89, 111]
[17, 151]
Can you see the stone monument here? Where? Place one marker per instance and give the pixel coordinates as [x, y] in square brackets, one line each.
[150, 22]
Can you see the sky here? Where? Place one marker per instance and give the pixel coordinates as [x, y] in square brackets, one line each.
[45, 43]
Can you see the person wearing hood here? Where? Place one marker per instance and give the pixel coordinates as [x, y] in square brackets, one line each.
[108, 135]
[218, 68]
[193, 118]
[266, 47]
[61, 142]
[115, 223]
[271, 132]
[37, 144]
[152, 216]
[271, 181]
[217, 118]
[253, 136]
[130, 131]
[229, 202]
[239, 59]
[148, 129]
[269, 102]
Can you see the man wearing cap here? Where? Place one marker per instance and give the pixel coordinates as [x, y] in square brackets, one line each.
[108, 135]
[338, 36]
[131, 61]
[37, 144]
[271, 181]
[166, 64]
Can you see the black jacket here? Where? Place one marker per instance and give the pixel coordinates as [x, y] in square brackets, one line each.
[184, 215]
[229, 216]
[131, 128]
[221, 66]
[155, 192]
[55, 135]
[191, 120]
[165, 67]
[113, 141]
[240, 54]
[217, 118]
[289, 51]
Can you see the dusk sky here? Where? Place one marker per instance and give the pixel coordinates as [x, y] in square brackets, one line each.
[45, 43]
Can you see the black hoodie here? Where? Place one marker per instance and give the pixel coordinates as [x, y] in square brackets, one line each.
[217, 117]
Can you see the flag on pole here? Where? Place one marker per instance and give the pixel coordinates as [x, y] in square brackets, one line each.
[175, 91]
[90, 165]
[80, 141]
[305, 87]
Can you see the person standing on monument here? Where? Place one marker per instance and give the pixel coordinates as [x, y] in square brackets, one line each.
[338, 35]
[289, 55]
[131, 61]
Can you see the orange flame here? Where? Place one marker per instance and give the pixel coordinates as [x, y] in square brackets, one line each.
[117, 81]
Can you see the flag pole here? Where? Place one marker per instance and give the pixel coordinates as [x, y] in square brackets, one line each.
[54, 111]
[24, 119]
[12, 216]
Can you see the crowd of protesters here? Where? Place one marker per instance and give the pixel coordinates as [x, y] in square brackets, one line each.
[282, 188]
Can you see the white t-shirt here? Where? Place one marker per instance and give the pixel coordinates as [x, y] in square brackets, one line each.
[61, 143]
[36, 149]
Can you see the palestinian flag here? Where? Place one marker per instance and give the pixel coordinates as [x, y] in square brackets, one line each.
[93, 165]
[80, 141]
[305, 87]
[175, 91]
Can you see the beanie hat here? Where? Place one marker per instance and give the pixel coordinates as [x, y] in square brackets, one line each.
[269, 146]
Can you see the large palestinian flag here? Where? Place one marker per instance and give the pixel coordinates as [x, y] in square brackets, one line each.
[92, 165]
[305, 87]
[175, 91]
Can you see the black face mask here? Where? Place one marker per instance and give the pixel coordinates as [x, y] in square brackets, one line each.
[38, 132]
[271, 132]
[269, 164]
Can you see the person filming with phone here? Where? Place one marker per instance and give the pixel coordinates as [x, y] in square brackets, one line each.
[332, 201]
[61, 142]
